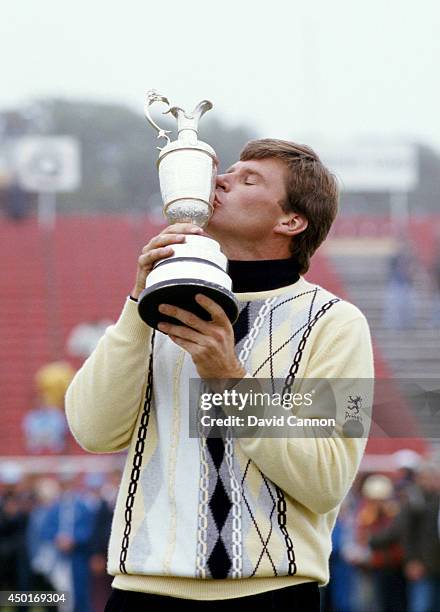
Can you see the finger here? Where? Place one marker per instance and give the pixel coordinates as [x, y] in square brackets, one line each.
[187, 318]
[182, 332]
[163, 240]
[148, 259]
[217, 313]
[182, 228]
[186, 345]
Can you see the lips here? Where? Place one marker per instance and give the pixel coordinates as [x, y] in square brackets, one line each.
[216, 201]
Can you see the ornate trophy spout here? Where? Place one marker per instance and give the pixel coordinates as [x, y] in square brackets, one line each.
[187, 175]
[188, 124]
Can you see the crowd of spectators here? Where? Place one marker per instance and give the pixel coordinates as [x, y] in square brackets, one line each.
[386, 544]
[54, 531]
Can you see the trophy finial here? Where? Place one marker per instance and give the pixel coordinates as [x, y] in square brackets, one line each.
[155, 96]
[189, 121]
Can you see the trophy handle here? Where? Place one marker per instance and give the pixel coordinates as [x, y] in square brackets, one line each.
[154, 96]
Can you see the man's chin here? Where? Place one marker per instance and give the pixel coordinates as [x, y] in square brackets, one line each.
[210, 232]
[216, 225]
[211, 225]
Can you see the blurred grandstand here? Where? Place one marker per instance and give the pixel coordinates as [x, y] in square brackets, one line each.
[82, 270]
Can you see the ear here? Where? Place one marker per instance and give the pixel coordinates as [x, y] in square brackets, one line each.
[291, 224]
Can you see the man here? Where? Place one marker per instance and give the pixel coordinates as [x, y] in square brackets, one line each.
[236, 522]
[420, 525]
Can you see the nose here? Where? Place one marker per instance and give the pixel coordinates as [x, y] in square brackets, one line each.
[221, 182]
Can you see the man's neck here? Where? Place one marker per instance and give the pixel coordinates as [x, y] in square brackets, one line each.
[262, 275]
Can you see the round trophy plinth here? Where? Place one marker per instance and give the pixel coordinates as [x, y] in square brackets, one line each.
[197, 266]
[182, 293]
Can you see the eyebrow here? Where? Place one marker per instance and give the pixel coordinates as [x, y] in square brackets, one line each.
[247, 171]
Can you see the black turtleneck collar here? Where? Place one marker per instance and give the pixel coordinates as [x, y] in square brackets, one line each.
[263, 274]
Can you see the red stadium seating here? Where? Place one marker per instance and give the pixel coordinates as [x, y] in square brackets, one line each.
[52, 281]
[82, 271]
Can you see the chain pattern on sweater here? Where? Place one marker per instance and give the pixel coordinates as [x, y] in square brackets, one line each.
[299, 353]
[271, 351]
[258, 323]
[237, 544]
[293, 371]
[282, 520]
[137, 461]
[281, 502]
[236, 490]
[237, 555]
[202, 530]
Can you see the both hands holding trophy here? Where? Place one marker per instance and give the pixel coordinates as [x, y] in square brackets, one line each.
[182, 261]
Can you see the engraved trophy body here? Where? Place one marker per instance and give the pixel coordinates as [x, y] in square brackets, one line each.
[187, 174]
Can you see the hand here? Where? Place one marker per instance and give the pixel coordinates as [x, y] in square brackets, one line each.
[159, 248]
[211, 344]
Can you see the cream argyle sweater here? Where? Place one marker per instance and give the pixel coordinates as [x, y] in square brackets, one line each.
[203, 519]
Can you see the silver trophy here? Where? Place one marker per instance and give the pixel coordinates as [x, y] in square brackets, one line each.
[187, 175]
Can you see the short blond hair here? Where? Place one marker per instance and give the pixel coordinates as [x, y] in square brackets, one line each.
[312, 190]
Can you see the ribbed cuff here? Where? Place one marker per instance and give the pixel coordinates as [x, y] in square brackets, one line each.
[130, 323]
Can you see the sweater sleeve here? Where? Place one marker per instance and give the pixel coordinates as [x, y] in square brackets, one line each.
[318, 471]
[103, 399]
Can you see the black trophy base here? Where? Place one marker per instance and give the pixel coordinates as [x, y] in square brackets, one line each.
[182, 293]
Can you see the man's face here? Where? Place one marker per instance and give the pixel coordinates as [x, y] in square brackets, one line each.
[247, 203]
